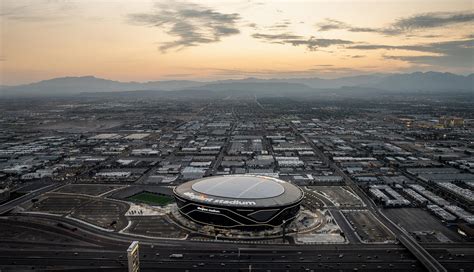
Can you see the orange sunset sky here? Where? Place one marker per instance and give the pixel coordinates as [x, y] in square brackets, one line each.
[204, 40]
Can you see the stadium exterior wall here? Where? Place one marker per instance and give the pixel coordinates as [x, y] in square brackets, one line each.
[245, 214]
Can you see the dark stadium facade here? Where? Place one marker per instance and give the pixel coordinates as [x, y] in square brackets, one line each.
[247, 202]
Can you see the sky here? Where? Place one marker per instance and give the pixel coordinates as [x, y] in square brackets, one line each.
[143, 40]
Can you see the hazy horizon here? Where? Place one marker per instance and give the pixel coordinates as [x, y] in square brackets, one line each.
[326, 77]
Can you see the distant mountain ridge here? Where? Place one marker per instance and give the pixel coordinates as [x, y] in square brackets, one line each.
[425, 81]
[418, 81]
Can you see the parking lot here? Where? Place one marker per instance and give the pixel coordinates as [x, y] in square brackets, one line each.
[419, 220]
[103, 213]
[58, 204]
[100, 212]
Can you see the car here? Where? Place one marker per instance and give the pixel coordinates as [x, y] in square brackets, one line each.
[176, 256]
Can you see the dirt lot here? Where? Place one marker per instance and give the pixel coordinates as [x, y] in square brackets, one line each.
[156, 226]
[340, 195]
[367, 227]
[86, 189]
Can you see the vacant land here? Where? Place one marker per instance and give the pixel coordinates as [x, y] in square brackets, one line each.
[151, 198]
[367, 227]
[155, 226]
[339, 195]
[86, 189]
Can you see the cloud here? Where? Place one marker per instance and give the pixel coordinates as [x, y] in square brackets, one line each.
[38, 11]
[191, 24]
[311, 43]
[280, 25]
[252, 25]
[438, 47]
[432, 20]
[332, 24]
[404, 25]
[315, 71]
[178, 75]
[376, 47]
[276, 38]
[457, 53]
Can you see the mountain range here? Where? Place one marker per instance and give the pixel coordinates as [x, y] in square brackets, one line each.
[412, 82]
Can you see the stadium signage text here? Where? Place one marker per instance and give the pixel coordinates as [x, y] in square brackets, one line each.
[208, 210]
[203, 198]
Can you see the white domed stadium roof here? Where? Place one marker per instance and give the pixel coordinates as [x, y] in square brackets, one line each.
[240, 190]
[242, 187]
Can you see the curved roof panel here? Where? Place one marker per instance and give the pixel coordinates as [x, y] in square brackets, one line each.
[241, 187]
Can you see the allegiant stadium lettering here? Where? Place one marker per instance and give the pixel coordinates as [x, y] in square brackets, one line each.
[203, 198]
[234, 202]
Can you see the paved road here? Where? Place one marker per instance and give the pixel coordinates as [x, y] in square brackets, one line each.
[201, 262]
[349, 232]
[232, 258]
[202, 256]
[223, 151]
[405, 238]
[6, 207]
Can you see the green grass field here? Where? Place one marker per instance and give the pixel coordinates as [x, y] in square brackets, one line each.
[151, 198]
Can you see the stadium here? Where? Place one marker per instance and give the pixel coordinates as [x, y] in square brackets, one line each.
[246, 202]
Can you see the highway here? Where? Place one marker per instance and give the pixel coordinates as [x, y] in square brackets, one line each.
[224, 257]
[206, 260]
[94, 248]
[109, 253]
